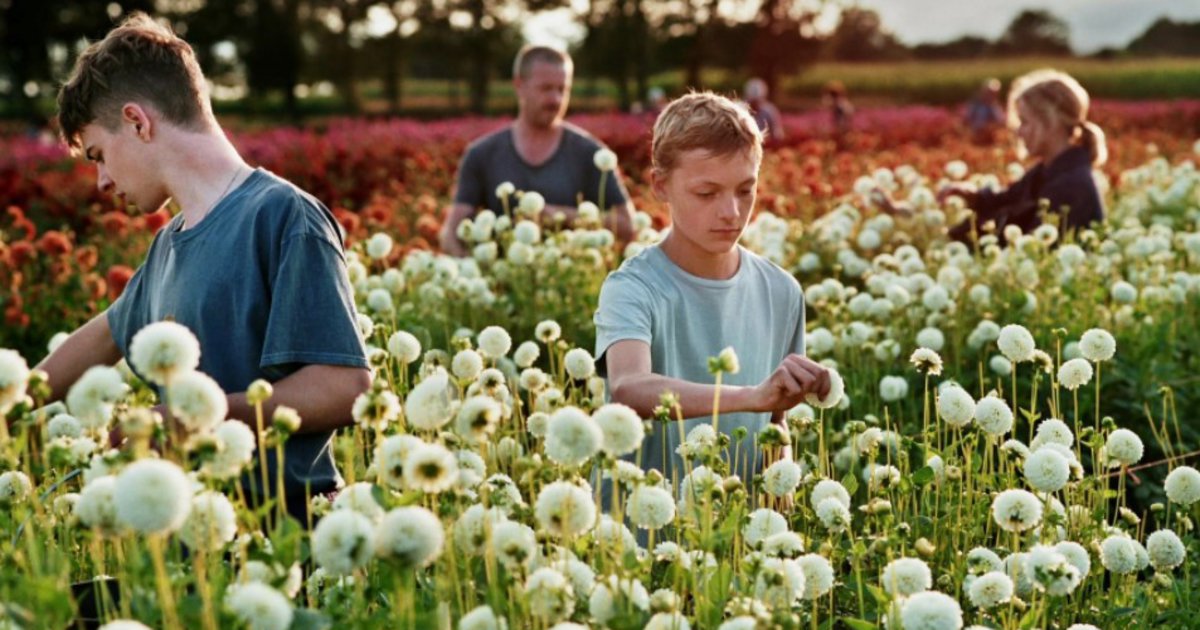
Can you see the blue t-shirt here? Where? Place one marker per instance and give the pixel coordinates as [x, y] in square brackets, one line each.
[262, 283]
[685, 320]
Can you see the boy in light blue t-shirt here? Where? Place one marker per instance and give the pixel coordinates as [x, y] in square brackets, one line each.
[670, 308]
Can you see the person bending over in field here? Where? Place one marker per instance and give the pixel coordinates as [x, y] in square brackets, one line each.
[1048, 110]
[539, 152]
[252, 265]
[664, 312]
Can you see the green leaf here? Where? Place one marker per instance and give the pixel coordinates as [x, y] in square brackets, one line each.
[923, 476]
[851, 483]
[858, 624]
[879, 594]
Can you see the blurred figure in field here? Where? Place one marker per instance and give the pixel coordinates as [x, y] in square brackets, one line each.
[984, 114]
[1048, 111]
[841, 110]
[656, 100]
[765, 113]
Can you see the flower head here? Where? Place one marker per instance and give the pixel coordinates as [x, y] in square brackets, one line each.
[411, 536]
[164, 350]
[153, 496]
[564, 509]
[1097, 345]
[621, 428]
[572, 437]
[1016, 510]
[342, 541]
[927, 361]
[197, 401]
[1183, 485]
[259, 607]
[429, 405]
[1016, 343]
[211, 524]
[14, 375]
[931, 610]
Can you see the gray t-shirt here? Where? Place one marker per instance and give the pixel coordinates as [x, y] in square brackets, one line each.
[562, 179]
[262, 283]
[687, 319]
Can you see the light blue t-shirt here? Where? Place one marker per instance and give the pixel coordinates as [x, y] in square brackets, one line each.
[687, 319]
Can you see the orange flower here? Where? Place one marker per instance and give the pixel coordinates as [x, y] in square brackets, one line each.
[118, 276]
[55, 243]
[156, 220]
[21, 252]
[428, 227]
[96, 287]
[114, 222]
[87, 257]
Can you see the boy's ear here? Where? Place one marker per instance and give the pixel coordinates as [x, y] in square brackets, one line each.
[139, 118]
[658, 182]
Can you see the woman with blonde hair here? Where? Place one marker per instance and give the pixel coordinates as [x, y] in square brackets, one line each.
[1048, 110]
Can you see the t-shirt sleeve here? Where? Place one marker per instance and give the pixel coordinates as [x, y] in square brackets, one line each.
[798, 318]
[624, 312]
[471, 184]
[312, 318]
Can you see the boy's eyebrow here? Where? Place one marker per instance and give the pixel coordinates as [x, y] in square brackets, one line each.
[751, 181]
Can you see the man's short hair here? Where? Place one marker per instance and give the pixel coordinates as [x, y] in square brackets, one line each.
[531, 54]
[703, 120]
[142, 61]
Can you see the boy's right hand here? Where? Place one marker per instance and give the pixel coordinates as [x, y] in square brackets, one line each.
[795, 378]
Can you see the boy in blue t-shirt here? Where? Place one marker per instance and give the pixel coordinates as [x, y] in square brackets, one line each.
[252, 265]
[670, 308]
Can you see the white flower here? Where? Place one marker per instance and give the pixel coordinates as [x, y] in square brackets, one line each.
[955, 406]
[728, 360]
[153, 496]
[97, 506]
[762, 524]
[1075, 373]
[1047, 471]
[1183, 485]
[818, 575]
[1118, 554]
[935, 298]
[164, 350]
[379, 301]
[605, 159]
[1016, 510]
[1016, 343]
[780, 582]
[124, 624]
[931, 610]
[828, 488]
[572, 437]
[477, 418]
[526, 354]
[404, 346]
[430, 468]
[783, 545]
[905, 576]
[782, 477]
[482, 617]
[466, 365]
[15, 486]
[1097, 345]
[237, 449]
[531, 204]
[547, 331]
[1165, 549]
[197, 401]
[379, 246]
[14, 376]
[956, 169]
[651, 507]
[668, 621]
[837, 389]
[376, 408]
[1124, 447]
[1051, 572]
[1124, 293]
[360, 497]
[411, 536]
[549, 595]
[494, 342]
[259, 607]
[579, 363]
[429, 405]
[64, 425]
[91, 398]
[564, 509]
[342, 542]
[893, 388]
[993, 415]
[211, 523]
[931, 338]
[514, 544]
[833, 514]
[613, 595]
[990, 590]
[621, 427]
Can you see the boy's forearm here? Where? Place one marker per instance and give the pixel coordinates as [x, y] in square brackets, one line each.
[644, 393]
[323, 397]
[90, 345]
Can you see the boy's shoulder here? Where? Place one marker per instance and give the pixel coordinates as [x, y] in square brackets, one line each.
[285, 207]
[769, 271]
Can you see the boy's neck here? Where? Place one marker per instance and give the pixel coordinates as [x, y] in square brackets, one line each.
[697, 262]
[202, 169]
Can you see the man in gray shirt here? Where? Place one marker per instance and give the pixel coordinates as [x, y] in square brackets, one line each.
[539, 152]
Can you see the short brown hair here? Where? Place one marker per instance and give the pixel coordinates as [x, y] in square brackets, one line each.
[545, 54]
[703, 120]
[140, 60]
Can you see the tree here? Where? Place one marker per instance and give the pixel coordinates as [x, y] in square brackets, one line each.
[1167, 37]
[784, 41]
[1035, 32]
[861, 36]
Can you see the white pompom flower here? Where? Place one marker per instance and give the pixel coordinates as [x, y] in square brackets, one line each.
[259, 607]
[412, 537]
[621, 427]
[651, 507]
[990, 590]
[1124, 447]
[153, 496]
[197, 402]
[343, 541]
[1047, 470]
[430, 468]
[1165, 549]
[1075, 373]
[1016, 510]
[404, 347]
[1097, 345]
[782, 478]
[1016, 343]
[211, 524]
[955, 406]
[14, 378]
[549, 595]
[906, 576]
[564, 509]
[494, 342]
[97, 506]
[837, 390]
[993, 415]
[931, 610]
[1183, 485]
[572, 437]
[1119, 554]
[429, 406]
[92, 397]
[605, 159]
[164, 350]
[579, 364]
[818, 575]
[379, 246]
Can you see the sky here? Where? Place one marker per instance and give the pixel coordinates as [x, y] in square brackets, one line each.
[1094, 24]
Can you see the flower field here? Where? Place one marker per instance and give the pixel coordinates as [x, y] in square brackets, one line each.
[981, 461]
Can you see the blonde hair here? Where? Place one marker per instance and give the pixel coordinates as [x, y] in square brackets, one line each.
[1058, 99]
[703, 120]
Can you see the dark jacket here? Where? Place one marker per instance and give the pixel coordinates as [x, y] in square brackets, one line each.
[1066, 183]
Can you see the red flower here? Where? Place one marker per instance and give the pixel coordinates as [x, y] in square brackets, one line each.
[21, 252]
[156, 220]
[118, 276]
[114, 222]
[55, 243]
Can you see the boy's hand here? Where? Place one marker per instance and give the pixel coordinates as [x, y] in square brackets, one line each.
[796, 377]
